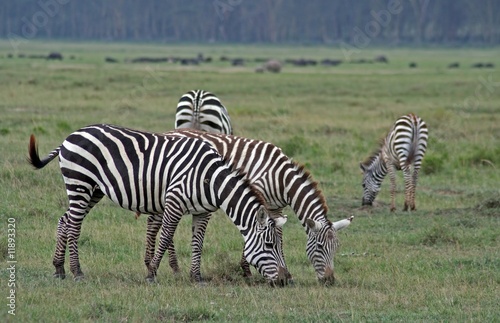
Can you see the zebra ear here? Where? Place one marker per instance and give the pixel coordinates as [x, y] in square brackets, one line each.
[362, 167]
[281, 220]
[262, 216]
[313, 225]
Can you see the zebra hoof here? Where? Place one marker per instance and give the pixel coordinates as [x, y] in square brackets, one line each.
[59, 276]
[195, 278]
[79, 278]
[201, 283]
[151, 280]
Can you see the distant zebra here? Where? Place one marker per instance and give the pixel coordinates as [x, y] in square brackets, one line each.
[156, 174]
[282, 182]
[202, 110]
[403, 147]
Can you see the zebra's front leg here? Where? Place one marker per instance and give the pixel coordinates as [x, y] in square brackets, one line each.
[199, 228]
[153, 226]
[170, 221]
[172, 258]
[245, 266]
[60, 252]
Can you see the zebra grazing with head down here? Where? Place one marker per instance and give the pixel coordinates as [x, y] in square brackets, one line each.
[165, 177]
[202, 110]
[403, 147]
[282, 182]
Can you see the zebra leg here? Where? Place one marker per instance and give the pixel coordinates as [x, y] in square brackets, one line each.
[153, 226]
[413, 189]
[172, 258]
[170, 220]
[245, 266]
[199, 228]
[78, 209]
[74, 228]
[392, 177]
[408, 187]
[60, 253]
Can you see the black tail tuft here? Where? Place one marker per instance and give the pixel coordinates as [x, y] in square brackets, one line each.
[34, 158]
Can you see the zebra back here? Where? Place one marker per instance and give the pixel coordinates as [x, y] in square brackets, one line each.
[281, 181]
[202, 110]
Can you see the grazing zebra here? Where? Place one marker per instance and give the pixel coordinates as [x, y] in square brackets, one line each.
[282, 182]
[202, 110]
[156, 174]
[403, 147]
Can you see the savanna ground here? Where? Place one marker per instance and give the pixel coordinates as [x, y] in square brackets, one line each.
[439, 263]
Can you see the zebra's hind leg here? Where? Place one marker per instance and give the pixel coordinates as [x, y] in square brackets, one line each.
[60, 253]
[413, 206]
[392, 177]
[74, 229]
[408, 188]
[79, 207]
[199, 228]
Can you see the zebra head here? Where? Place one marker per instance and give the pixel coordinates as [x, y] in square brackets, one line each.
[321, 245]
[371, 185]
[264, 250]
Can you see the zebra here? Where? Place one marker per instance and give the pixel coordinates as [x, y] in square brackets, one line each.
[202, 110]
[164, 177]
[282, 182]
[404, 146]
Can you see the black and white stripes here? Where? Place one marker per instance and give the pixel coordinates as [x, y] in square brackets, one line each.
[202, 110]
[283, 183]
[404, 146]
[156, 174]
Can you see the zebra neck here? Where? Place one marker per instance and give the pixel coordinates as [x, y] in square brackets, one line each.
[378, 168]
[241, 205]
[303, 196]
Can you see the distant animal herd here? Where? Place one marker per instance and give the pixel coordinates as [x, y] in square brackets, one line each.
[265, 64]
[201, 166]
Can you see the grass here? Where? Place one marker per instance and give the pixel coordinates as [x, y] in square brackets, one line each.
[440, 263]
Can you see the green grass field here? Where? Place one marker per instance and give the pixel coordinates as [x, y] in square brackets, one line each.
[439, 263]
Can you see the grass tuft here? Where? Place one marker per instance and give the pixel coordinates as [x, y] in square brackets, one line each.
[438, 235]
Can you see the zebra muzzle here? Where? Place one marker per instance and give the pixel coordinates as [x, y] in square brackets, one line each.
[283, 276]
[368, 203]
[328, 277]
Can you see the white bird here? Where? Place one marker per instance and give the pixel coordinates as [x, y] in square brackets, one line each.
[339, 225]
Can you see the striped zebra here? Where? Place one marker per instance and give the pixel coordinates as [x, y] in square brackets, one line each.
[403, 147]
[164, 177]
[282, 182]
[202, 110]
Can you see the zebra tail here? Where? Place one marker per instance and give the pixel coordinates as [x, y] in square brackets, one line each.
[34, 158]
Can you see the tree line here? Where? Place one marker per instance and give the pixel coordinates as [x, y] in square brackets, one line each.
[353, 23]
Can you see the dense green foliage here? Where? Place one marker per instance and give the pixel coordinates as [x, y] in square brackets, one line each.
[439, 263]
[358, 23]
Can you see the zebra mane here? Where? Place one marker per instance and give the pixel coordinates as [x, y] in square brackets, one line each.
[258, 195]
[368, 161]
[308, 177]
